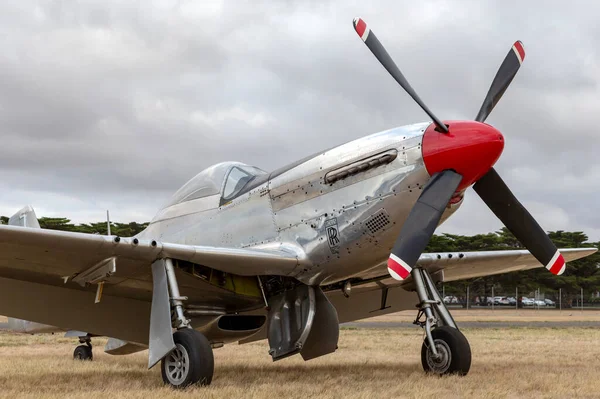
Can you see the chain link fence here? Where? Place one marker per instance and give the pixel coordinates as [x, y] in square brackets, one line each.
[519, 298]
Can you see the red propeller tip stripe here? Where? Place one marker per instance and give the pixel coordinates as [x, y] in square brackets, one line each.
[556, 264]
[519, 51]
[397, 268]
[361, 28]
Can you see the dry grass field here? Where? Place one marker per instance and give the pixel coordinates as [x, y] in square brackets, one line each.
[370, 363]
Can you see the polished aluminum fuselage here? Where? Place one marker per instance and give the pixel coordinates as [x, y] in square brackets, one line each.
[338, 230]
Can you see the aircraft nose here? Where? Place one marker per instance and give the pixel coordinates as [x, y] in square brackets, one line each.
[469, 148]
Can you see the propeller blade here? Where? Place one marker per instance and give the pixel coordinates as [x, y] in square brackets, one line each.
[498, 197]
[421, 223]
[384, 58]
[511, 64]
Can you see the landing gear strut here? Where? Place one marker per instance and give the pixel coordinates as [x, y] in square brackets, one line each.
[191, 361]
[84, 352]
[445, 349]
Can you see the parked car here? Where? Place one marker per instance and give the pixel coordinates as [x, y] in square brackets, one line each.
[450, 299]
[539, 302]
[527, 301]
[511, 301]
[489, 300]
[501, 300]
[550, 302]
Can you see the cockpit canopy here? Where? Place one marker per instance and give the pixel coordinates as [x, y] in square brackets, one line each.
[226, 178]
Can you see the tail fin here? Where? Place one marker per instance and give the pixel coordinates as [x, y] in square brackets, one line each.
[30, 327]
[25, 218]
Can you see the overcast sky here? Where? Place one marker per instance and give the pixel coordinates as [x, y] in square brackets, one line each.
[114, 105]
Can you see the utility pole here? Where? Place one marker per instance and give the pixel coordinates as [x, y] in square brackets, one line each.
[107, 222]
[560, 299]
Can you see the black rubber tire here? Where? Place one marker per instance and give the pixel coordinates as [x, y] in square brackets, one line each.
[201, 359]
[83, 352]
[460, 351]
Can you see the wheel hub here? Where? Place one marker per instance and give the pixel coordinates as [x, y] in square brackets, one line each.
[439, 364]
[177, 365]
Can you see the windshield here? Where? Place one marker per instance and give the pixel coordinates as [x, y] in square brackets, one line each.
[210, 182]
[238, 178]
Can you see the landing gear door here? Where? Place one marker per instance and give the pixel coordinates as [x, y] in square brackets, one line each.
[290, 320]
[325, 332]
[161, 334]
[302, 320]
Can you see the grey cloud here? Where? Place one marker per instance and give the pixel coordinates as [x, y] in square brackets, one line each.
[111, 104]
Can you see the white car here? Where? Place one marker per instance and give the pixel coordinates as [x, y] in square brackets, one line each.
[450, 299]
[501, 300]
[539, 302]
[550, 302]
[527, 302]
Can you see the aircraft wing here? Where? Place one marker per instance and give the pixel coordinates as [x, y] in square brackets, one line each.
[43, 276]
[463, 265]
[61, 253]
[380, 294]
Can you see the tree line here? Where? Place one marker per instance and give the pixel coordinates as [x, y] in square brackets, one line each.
[583, 273]
[118, 229]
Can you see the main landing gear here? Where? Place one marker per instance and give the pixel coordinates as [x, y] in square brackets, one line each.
[191, 361]
[445, 349]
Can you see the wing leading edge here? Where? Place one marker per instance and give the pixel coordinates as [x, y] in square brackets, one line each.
[463, 265]
[62, 253]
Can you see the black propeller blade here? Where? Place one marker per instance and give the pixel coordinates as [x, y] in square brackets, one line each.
[426, 213]
[511, 64]
[421, 223]
[384, 58]
[496, 194]
[498, 197]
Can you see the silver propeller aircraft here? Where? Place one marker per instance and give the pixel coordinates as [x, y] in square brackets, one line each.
[239, 254]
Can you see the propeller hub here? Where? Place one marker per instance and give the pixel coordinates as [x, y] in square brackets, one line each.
[469, 148]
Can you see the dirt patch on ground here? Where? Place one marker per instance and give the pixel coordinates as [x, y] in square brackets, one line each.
[489, 315]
